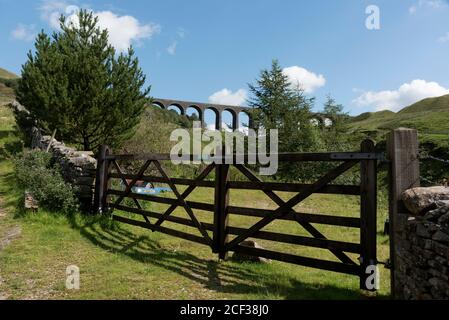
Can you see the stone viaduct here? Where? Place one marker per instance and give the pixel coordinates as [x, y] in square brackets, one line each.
[218, 109]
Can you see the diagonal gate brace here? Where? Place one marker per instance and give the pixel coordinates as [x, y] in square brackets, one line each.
[286, 207]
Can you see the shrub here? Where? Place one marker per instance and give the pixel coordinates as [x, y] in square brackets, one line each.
[10, 83]
[35, 173]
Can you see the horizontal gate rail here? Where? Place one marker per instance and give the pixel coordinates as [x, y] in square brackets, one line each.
[251, 212]
[300, 240]
[299, 260]
[224, 238]
[284, 157]
[298, 216]
[186, 182]
[293, 187]
[192, 204]
[264, 235]
[250, 185]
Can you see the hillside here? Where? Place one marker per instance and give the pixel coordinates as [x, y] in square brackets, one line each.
[8, 80]
[429, 116]
[5, 74]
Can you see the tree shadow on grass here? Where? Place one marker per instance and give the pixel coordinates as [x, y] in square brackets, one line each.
[223, 277]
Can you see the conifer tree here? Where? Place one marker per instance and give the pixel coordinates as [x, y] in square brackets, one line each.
[279, 104]
[75, 82]
[335, 132]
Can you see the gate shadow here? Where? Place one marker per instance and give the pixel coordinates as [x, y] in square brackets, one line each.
[222, 277]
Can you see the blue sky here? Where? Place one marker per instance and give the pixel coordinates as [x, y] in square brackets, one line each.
[209, 50]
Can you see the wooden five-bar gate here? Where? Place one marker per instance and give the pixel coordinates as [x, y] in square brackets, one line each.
[222, 237]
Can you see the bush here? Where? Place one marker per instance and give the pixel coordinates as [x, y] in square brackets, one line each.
[10, 83]
[35, 173]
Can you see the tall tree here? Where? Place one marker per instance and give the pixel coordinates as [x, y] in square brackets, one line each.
[335, 133]
[76, 83]
[278, 104]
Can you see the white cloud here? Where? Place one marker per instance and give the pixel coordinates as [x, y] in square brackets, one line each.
[224, 126]
[432, 4]
[305, 79]
[226, 96]
[444, 38]
[51, 10]
[435, 4]
[406, 94]
[171, 49]
[24, 32]
[298, 76]
[123, 30]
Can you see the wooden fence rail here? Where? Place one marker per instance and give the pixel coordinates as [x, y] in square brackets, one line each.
[222, 237]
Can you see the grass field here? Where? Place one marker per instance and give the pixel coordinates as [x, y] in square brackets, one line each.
[118, 261]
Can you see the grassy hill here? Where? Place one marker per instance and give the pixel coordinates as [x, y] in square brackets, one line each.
[7, 82]
[5, 74]
[429, 116]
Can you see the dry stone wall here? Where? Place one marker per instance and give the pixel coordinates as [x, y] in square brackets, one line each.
[77, 167]
[422, 245]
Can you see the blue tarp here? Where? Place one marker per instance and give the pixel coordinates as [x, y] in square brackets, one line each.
[149, 190]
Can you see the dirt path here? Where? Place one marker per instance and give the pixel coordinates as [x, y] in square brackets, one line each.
[7, 234]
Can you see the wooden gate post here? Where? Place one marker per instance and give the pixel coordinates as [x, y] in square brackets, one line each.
[368, 215]
[402, 152]
[101, 180]
[220, 237]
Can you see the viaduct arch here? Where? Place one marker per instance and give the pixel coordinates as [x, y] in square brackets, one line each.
[201, 108]
[321, 119]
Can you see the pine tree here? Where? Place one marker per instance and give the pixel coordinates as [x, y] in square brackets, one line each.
[334, 135]
[277, 104]
[76, 83]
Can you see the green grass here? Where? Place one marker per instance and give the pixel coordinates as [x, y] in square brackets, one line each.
[119, 261]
